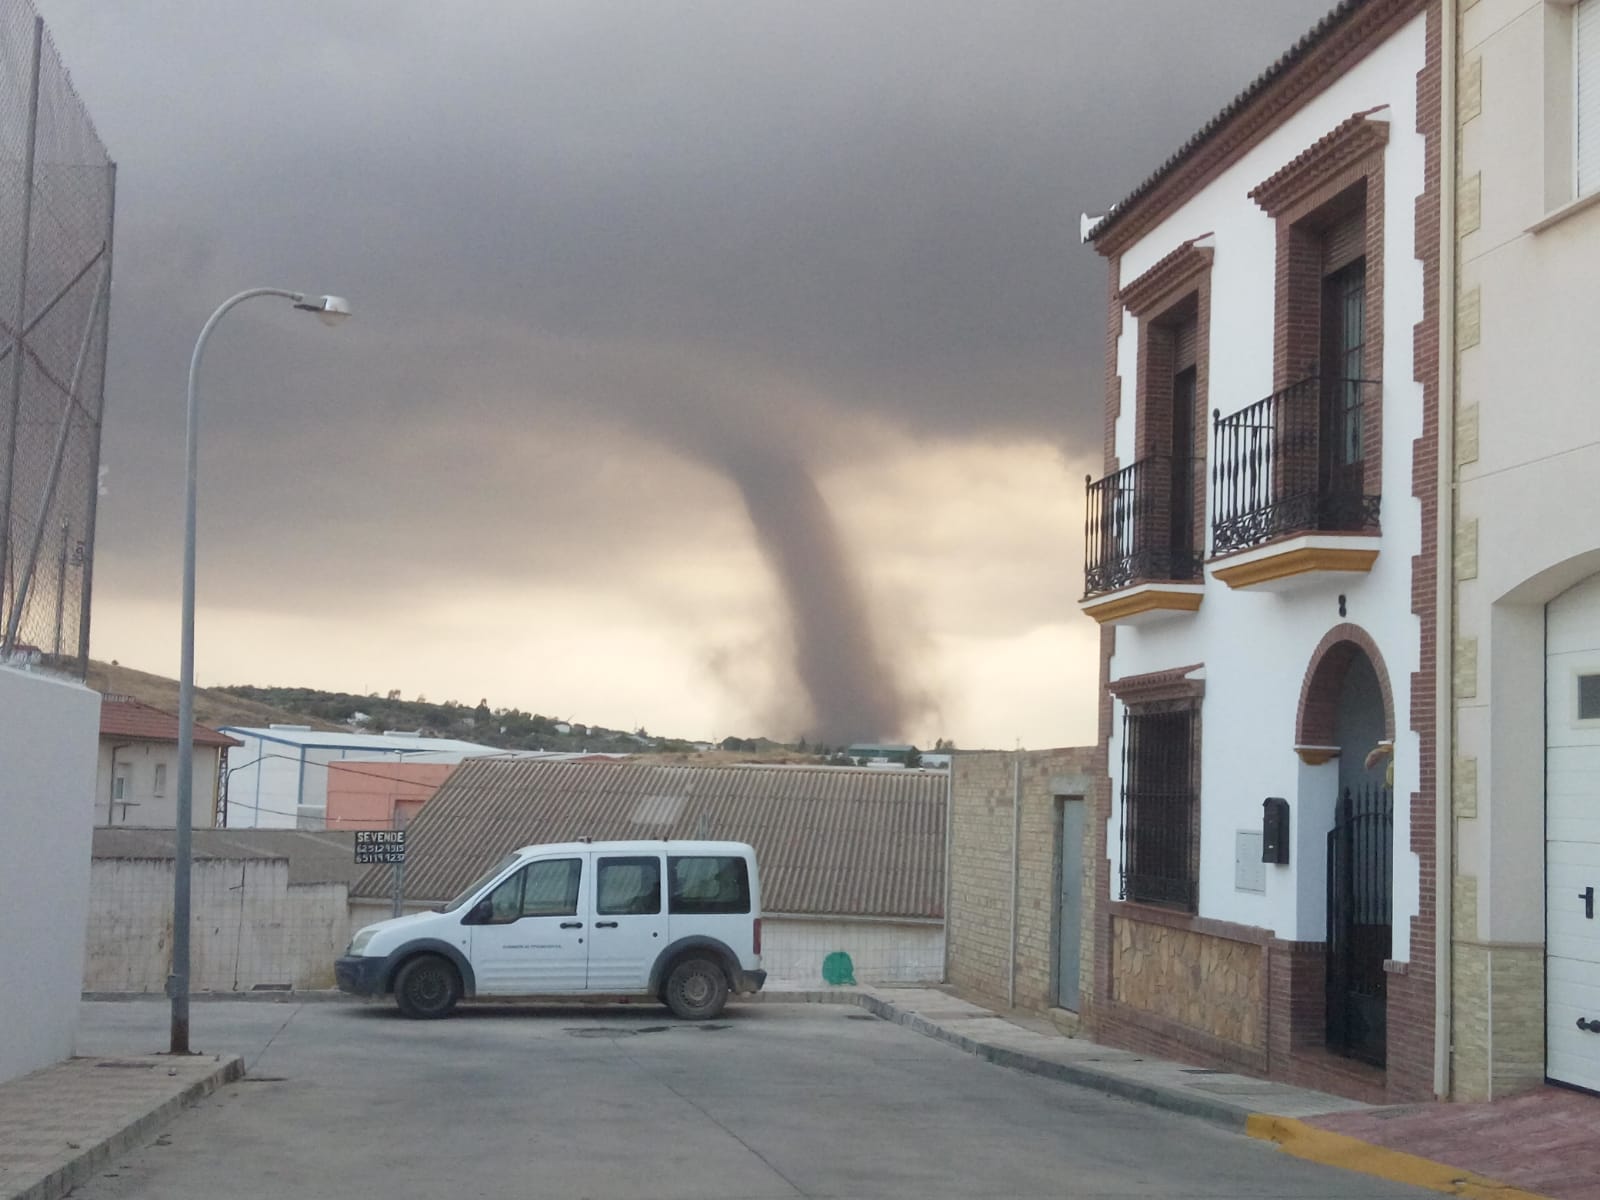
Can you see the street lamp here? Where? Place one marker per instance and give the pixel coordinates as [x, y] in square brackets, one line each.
[330, 310]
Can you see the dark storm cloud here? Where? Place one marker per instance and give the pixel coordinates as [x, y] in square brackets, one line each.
[573, 229]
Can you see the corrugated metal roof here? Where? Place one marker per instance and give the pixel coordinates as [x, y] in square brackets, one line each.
[829, 840]
[299, 735]
[1294, 54]
[314, 856]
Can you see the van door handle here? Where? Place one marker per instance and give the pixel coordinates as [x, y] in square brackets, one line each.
[605, 924]
[572, 924]
[1587, 896]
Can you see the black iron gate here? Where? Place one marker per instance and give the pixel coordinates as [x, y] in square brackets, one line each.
[1360, 912]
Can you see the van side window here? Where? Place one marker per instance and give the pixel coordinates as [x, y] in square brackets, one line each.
[627, 886]
[540, 889]
[551, 888]
[708, 884]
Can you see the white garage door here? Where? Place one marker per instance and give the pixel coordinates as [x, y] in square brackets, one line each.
[1572, 832]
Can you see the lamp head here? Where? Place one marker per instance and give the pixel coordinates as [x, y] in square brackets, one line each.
[330, 310]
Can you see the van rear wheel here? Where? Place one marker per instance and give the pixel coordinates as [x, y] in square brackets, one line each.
[427, 988]
[696, 989]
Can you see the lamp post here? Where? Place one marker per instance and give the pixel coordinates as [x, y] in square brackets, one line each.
[330, 310]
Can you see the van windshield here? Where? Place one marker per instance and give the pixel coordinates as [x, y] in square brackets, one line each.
[478, 884]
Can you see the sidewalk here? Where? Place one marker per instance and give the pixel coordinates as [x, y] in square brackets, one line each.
[1540, 1146]
[60, 1125]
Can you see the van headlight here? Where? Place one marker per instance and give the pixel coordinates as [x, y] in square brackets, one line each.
[359, 943]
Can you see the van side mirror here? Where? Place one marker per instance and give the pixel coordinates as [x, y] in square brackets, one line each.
[480, 913]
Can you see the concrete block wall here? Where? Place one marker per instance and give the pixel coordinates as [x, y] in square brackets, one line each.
[48, 740]
[984, 787]
[793, 950]
[251, 927]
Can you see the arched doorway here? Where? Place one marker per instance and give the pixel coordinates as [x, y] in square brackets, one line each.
[1346, 708]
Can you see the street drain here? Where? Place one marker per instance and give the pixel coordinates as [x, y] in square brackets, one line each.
[860, 1017]
[262, 1079]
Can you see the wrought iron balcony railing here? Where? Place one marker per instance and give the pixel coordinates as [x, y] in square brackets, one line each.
[1139, 525]
[1293, 463]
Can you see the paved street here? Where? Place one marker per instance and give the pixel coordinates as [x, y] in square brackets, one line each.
[773, 1101]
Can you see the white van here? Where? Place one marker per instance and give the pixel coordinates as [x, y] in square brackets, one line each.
[679, 921]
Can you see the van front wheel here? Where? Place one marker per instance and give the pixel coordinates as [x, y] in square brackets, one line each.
[696, 989]
[427, 987]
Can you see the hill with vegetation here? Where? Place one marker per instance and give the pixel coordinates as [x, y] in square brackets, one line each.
[506, 728]
[503, 728]
[212, 706]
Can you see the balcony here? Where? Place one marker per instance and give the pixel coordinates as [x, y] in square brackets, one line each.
[1291, 505]
[1141, 555]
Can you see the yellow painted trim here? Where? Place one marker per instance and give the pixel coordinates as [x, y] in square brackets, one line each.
[1351, 1154]
[1296, 562]
[1120, 608]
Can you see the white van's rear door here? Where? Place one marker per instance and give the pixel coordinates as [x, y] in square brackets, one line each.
[714, 895]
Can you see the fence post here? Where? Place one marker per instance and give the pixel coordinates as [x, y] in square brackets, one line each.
[25, 236]
[92, 507]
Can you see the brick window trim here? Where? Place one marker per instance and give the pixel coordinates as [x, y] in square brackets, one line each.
[1148, 695]
[1305, 182]
[1352, 154]
[1168, 280]
[1175, 289]
[1319, 692]
[1158, 686]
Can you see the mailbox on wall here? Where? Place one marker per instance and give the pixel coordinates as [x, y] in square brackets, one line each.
[1275, 830]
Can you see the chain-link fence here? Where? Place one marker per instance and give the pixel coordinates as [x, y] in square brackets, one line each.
[57, 188]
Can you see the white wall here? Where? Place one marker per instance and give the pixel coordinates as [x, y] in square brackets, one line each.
[47, 758]
[1531, 476]
[263, 783]
[136, 762]
[1257, 647]
[793, 950]
[251, 926]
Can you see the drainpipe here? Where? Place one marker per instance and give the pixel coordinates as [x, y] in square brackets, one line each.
[1444, 721]
[1016, 854]
[949, 817]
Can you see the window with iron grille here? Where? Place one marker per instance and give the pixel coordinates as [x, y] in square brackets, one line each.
[1160, 805]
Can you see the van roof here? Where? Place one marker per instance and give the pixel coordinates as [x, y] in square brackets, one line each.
[642, 846]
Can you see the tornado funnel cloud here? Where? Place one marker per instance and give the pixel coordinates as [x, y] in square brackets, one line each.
[851, 686]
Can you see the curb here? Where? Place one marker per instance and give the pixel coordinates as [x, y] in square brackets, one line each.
[1351, 1154]
[63, 1179]
[1217, 1112]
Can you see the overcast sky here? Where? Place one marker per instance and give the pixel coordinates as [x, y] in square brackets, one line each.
[713, 363]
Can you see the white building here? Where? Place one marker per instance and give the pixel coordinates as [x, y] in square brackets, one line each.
[1261, 560]
[1526, 678]
[278, 777]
